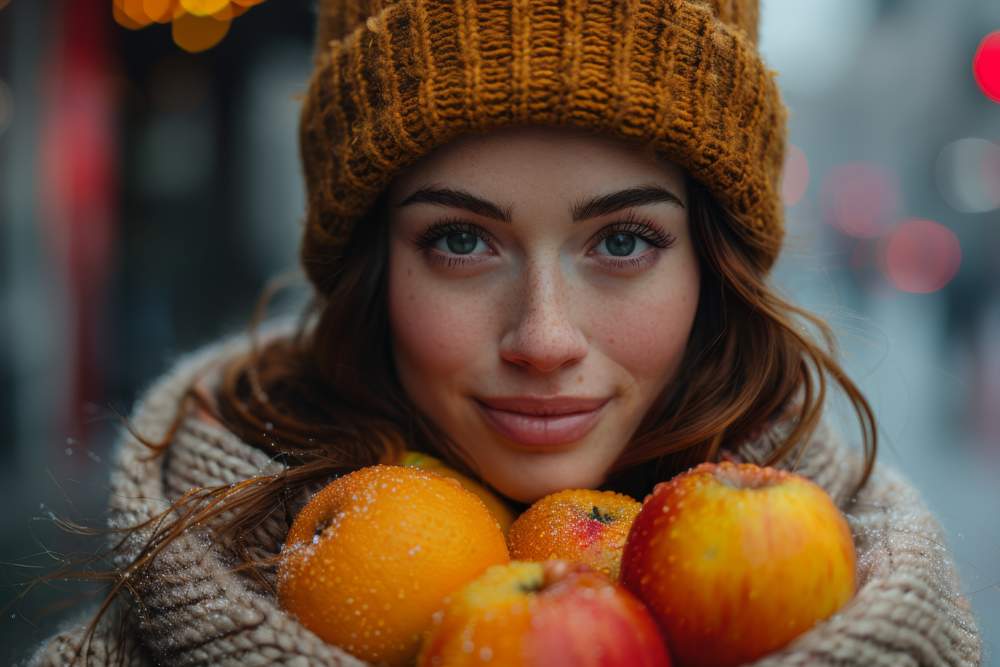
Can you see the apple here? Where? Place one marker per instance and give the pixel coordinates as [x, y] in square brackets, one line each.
[735, 560]
[543, 614]
[582, 525]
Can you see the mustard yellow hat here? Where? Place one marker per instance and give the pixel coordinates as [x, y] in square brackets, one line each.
[394, 79]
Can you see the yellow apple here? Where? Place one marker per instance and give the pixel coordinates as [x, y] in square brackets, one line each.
[736, 560]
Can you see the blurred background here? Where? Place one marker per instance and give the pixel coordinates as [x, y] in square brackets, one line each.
[150, 186]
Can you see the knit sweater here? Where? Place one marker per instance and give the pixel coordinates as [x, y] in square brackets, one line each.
[908, 609]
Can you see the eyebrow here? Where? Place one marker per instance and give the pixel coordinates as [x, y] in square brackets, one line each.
[640, 195]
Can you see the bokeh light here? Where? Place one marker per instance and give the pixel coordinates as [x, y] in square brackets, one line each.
[196, 25]
[198, 33]
[795, 180]
[204, 7]
[967, 172]
[860, 199]
[986, 65]
[159, 11]
[921, 256]
[129, 14]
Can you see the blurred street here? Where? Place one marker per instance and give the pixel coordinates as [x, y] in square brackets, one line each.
[147, 194]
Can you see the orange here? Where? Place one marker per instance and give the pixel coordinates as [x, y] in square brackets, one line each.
[373, 554]
[580, 525]
[500, 510]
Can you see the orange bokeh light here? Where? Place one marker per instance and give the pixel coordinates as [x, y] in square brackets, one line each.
[204, 7]
[197, 25]
[159, 11]
[921, 256]
[198, 33]
[130, 14]
[986, 66]
[123, 19]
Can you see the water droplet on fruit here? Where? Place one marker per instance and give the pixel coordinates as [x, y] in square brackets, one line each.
[468, 646]
[437, 617]
[486, 654]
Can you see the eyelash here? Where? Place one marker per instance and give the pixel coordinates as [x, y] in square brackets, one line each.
[632, 223]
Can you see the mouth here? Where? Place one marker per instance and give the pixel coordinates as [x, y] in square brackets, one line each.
[535, 430]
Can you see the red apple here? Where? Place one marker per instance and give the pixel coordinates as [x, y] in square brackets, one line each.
[582, 525]
[543, 614]
[736, 560]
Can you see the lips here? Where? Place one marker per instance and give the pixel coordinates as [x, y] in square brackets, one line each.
[537, 422]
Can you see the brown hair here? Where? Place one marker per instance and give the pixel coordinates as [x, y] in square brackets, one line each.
[332, 391]
[326, 400]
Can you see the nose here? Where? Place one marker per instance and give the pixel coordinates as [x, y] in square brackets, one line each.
[544, 335]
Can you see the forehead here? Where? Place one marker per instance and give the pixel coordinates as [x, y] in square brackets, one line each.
[551, 161]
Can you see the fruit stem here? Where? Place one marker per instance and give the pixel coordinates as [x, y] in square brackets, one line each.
[596, 515]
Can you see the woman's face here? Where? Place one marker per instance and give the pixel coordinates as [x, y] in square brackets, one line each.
[539, 270]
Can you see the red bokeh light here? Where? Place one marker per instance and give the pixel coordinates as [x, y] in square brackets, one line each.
[795, 180]
[921, 256]
[986, 66]
[860, 199]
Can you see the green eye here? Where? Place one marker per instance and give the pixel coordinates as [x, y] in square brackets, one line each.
[620, 244]
[461, 243]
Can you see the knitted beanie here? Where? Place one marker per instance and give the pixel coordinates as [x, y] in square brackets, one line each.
[394, 79]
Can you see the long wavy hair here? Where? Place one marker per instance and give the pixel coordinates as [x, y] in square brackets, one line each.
[326, 400]
[330, 393]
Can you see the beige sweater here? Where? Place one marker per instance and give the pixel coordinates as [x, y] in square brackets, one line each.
[908, 610]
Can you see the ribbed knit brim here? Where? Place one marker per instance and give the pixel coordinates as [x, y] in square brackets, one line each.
[668, 74]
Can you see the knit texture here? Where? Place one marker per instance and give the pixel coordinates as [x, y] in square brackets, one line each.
[908, 611]
[394, 80]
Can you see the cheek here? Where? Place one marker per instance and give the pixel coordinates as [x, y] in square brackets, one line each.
[437, 332]
[648, 333]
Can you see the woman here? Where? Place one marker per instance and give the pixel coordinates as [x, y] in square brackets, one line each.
[514, 208]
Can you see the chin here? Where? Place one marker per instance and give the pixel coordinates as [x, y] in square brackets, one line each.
[533, 477]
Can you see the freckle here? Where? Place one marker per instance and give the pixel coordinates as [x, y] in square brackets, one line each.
[579, 379]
